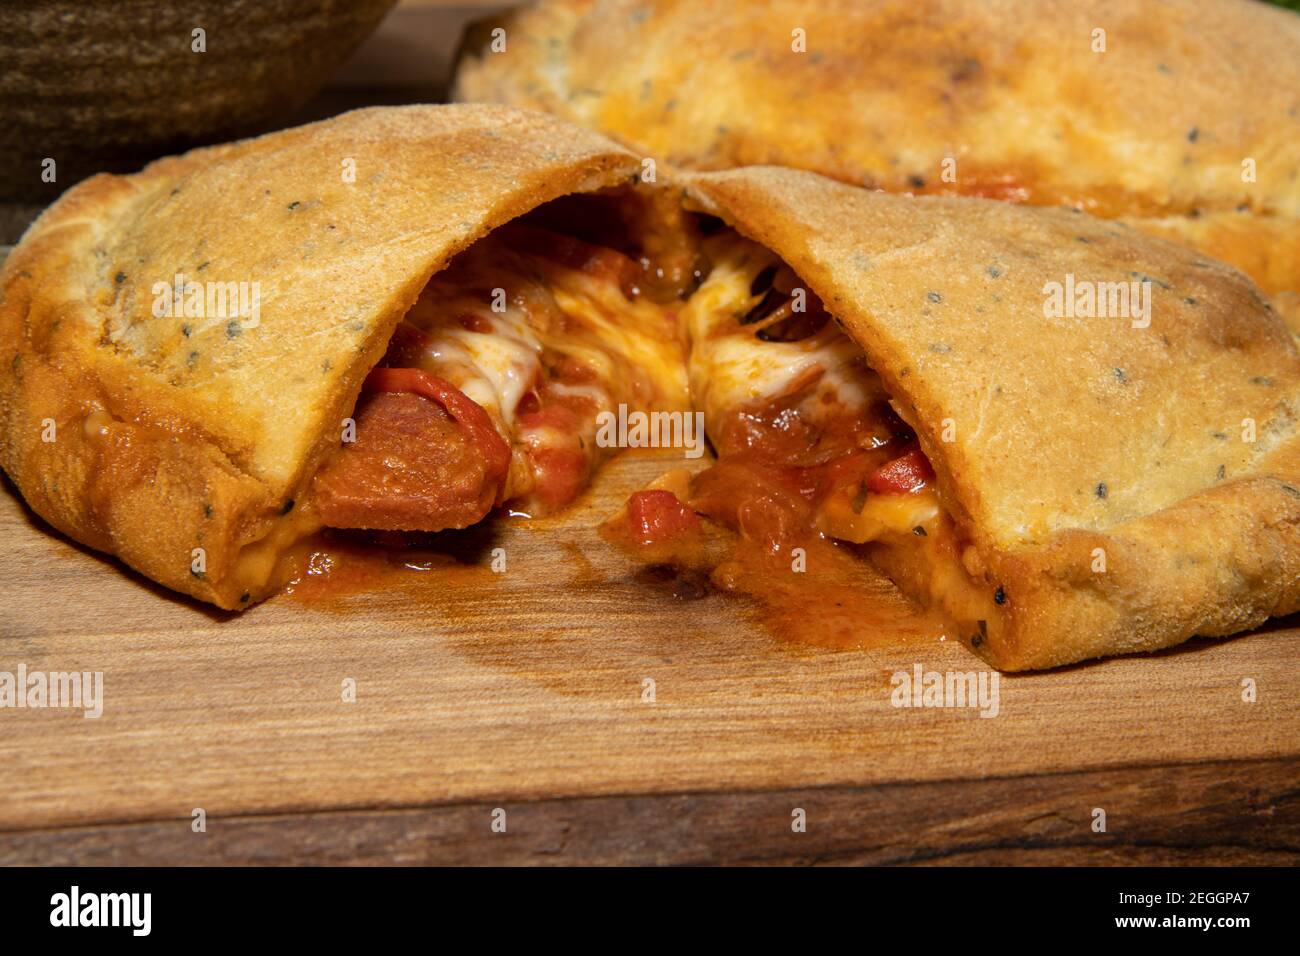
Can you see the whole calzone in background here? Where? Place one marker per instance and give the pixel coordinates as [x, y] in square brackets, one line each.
[1181, 118]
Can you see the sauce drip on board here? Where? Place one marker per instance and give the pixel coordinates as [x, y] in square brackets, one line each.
[332, 566]
[801, 587]
[840, 601]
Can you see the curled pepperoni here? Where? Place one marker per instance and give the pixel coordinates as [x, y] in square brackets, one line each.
[426, 457]
[466, 412]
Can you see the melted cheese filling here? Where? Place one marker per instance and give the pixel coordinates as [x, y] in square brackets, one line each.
[495, 368]
[502, 325]
[826, 376]
[731, 368]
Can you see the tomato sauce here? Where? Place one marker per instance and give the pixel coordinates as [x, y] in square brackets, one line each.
[748, 524]
[332, 567]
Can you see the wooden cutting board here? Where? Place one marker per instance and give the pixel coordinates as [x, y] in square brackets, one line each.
[525, 692]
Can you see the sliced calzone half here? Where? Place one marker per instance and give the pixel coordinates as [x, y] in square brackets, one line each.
[1069, 438]
[394, 320]
[1182, 118]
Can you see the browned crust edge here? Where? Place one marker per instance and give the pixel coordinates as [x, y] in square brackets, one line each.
[155, 486]
[1218, 562]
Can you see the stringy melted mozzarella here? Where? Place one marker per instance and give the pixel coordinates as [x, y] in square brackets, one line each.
[731, 368]
[554, 316]
[495, 368]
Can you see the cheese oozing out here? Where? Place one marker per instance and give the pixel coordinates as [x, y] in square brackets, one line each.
[545, 347]
[740, 360]
[804, 427]
[730, 367]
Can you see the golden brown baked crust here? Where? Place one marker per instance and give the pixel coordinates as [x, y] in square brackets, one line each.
[1068, 435]
[1155, 129]
[174, 434]
[1053, 437]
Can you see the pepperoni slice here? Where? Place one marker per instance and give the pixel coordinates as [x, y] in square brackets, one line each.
[426, 457]
[412, 468]
[467, 413]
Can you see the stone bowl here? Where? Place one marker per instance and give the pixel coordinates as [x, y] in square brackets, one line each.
[107, 85]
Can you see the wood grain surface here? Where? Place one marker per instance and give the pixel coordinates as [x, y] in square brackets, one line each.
[524, 691]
